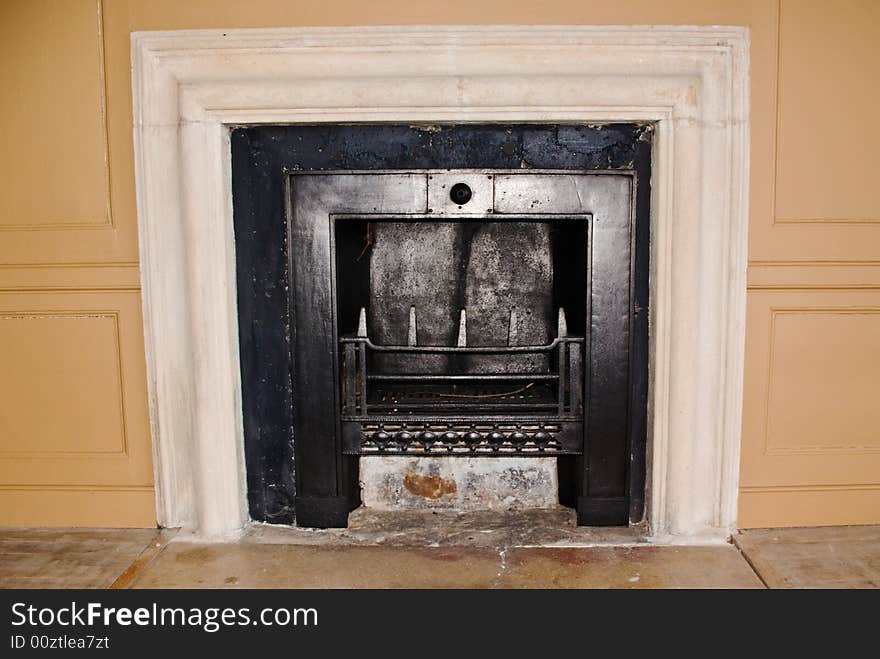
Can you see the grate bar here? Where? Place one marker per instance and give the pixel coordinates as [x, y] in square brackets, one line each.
[458, 377]
[476, 350]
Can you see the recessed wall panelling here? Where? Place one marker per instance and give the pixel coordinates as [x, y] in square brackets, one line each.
[827, 167]
[775, 507]
[824, 374]
[64, 122]
[811, 437]
[74, 410]
[77, 506]
[66, 396]
[825, 204]
[53, 171]
[811, 423]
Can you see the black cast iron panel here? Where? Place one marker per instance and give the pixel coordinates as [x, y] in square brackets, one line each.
[607, 484]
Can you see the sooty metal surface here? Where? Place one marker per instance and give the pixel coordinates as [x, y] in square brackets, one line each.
[495, 279]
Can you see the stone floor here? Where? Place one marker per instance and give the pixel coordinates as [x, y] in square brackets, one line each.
[830, 557]
[519, 550]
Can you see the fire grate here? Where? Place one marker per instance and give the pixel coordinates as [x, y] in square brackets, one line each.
[470, 413]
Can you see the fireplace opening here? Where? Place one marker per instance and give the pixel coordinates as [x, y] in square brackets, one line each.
[462, 337]
[465, 295]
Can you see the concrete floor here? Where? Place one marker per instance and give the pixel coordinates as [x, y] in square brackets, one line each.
[519, 550]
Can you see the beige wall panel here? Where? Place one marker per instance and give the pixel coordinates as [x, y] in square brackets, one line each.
[823, 375]
[809, 507]
[87, 507]
[74, 409]
[810, 416]
[69, 402]
[829, 61]
[188, 14]
[826, 207]
[59, 172]
[53, 171]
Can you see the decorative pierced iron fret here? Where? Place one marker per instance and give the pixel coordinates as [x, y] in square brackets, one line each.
[476, 439]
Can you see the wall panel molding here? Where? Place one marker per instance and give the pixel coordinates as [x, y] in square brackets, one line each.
[97, 507]
[846, 23]
[849, 236]
[38, 234]
[54, 487]
[70, 277]
[805, 312]
[835, 487]
[104, 220]
[89, 424]
[828, 275]
[819, 395]
[781, 507]
[113, 316]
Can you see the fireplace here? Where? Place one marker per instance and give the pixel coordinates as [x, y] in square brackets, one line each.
[469, 311]
[193, 89]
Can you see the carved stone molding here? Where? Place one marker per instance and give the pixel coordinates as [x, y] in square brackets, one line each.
[191, 86]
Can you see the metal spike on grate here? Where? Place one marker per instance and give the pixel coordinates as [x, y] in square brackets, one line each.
[411, 339]
[512, 328]
[362, 322]
[462, 329]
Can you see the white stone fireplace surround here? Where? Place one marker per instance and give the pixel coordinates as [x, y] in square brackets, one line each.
[190, 87]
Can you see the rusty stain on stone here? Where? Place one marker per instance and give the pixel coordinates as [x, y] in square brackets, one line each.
[430, 487]
[124, 579]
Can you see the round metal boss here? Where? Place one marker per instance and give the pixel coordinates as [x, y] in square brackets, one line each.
[460, 194]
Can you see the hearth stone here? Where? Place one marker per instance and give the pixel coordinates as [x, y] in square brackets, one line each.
[458, 484]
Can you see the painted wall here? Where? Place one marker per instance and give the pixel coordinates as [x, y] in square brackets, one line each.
[74, 429]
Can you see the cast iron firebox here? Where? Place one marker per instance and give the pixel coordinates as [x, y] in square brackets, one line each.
[474, 291]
